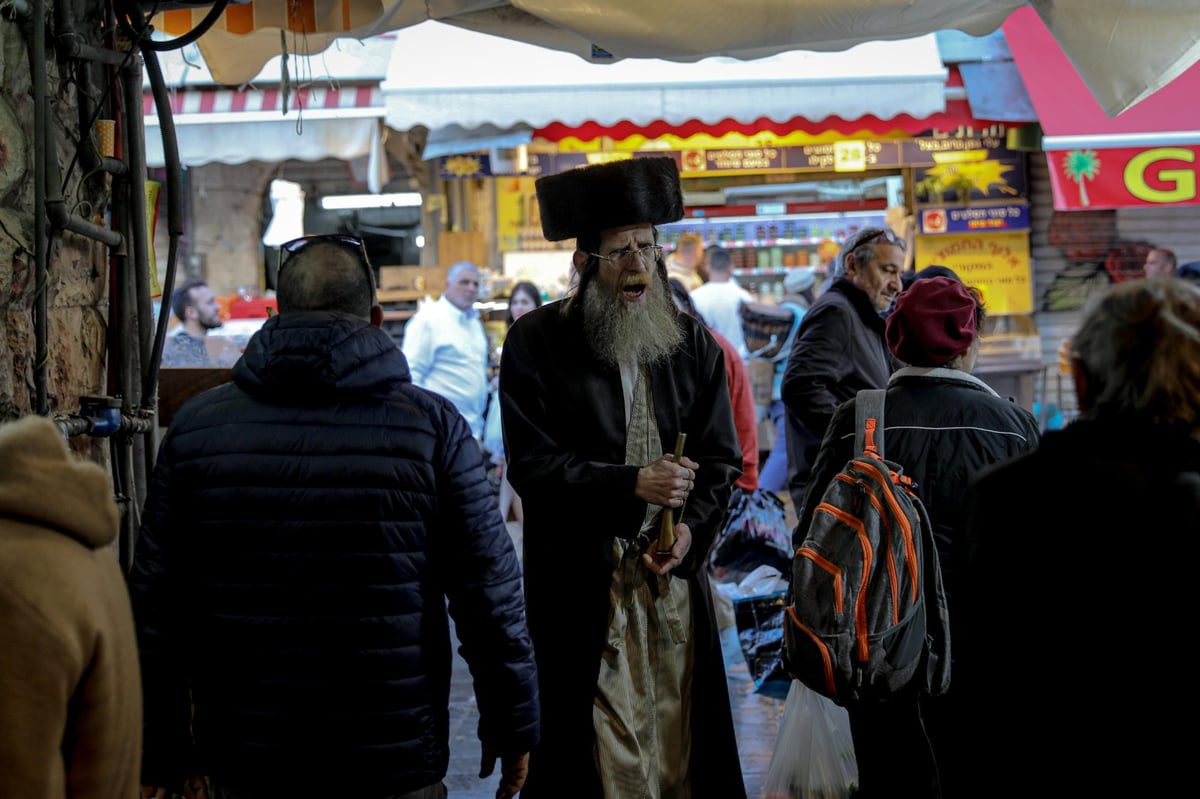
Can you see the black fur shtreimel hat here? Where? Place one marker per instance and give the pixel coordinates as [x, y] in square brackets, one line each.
[635, 191]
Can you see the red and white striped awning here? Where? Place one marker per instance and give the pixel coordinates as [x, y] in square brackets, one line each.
[204, 106]
[233, 126]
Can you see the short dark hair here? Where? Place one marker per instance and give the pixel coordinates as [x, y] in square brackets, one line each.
[719, 259]
[325, 276]
[933, 270]
[181, 298]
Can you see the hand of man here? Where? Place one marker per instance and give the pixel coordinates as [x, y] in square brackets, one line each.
[196, 787]
[664, 482]
[662, 564]
[513, 771]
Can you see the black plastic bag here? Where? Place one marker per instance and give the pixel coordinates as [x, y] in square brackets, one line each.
[755, 534]
[759, 622]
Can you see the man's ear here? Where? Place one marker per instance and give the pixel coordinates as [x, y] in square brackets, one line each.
[849, 265]
[578, 259]
[377, 315]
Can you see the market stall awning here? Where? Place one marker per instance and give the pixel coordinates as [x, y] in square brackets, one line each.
[327, 106]
[1146, 156]
[507, 83]
[235, 126]
[1123, 49]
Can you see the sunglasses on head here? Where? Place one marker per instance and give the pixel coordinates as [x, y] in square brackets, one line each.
[882, 234]
[352, 243]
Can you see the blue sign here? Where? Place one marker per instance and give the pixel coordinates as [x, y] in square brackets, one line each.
[973, 219]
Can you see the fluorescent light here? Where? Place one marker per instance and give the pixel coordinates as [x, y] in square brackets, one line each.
[340, 202]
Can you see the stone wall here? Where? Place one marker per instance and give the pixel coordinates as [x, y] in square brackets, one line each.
[76, 286]
[223, 224]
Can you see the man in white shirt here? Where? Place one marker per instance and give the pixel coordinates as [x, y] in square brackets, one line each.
[719, 299]
[447, 348]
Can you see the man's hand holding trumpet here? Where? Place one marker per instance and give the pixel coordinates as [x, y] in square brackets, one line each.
[667, 482]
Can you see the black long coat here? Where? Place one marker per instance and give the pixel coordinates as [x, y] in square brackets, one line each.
[564, 433]
[838, 350]
[1081, 579]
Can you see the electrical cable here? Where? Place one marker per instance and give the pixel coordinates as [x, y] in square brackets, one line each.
[123, 9]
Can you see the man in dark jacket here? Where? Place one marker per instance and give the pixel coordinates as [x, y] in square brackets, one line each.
[1081, 575]
[839, 348]
[594, 390]
[942, 425]
[303, 531]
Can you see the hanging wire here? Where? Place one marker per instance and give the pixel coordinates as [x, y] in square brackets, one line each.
[302, 52]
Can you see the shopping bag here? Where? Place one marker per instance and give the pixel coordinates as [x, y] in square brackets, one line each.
[814, 753]
[759, 622]
[755, 534]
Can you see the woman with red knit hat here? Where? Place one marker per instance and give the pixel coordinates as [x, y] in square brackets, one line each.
[941, 424]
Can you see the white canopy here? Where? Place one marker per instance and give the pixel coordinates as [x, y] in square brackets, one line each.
[506, 83]
[1123, 49]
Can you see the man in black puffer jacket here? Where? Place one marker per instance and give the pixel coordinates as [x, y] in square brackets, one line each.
[303, 531]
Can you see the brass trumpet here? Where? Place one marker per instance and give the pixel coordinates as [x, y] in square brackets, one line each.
[666, 527]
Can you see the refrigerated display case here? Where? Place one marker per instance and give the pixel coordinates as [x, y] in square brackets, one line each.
[765, 245]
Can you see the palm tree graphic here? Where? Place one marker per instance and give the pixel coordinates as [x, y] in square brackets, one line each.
[1081, 165]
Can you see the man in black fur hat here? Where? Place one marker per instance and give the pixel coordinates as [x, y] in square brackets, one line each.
[594, 391]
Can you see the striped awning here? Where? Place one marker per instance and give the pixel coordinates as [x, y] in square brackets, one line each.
[203, 106]
[234, 126]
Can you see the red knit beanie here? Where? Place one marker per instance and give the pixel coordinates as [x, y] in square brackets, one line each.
[933, 321]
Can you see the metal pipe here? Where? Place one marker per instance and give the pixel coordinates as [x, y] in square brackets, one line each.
[174, 178]
[135, 156]
[41, 122]
[139, 312]
[66, 39]
[61, 219]
[71, 425]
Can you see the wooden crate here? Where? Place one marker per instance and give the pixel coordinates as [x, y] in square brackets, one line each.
[401, 283]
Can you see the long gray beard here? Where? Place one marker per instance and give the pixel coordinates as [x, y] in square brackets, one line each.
[644, 333]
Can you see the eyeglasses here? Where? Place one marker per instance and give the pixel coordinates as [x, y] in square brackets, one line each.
[647, 255]
[353, 243]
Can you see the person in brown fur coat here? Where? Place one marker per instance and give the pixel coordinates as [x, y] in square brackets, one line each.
[70, 690]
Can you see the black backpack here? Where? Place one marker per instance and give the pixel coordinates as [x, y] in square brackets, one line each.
[868, 611]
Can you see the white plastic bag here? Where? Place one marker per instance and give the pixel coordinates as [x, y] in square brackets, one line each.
[814, 753]
[493, 440]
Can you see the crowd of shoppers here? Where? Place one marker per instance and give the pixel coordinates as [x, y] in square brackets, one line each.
[315, 527]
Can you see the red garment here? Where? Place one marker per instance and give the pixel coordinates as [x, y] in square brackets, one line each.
[745, 418]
